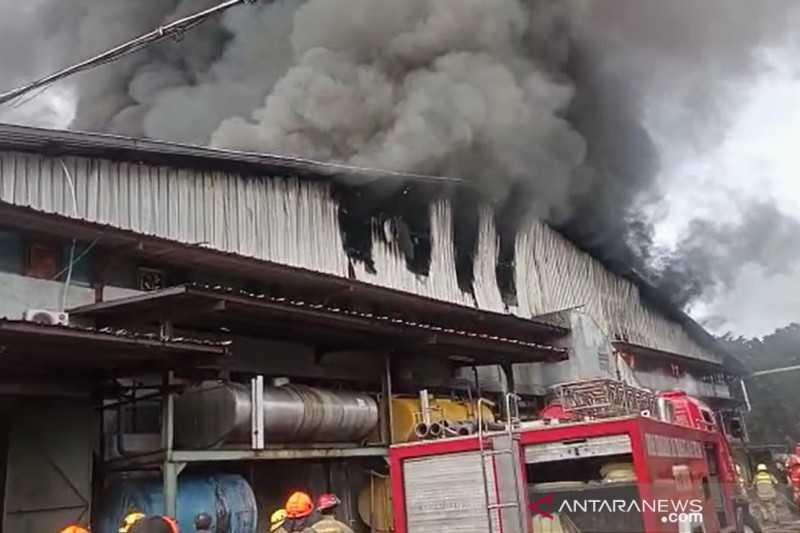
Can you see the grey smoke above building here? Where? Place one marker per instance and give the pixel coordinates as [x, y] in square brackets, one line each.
[545, 104]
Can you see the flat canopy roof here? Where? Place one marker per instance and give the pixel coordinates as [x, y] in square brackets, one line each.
[203, 307]
[32, 348]
[728, 366]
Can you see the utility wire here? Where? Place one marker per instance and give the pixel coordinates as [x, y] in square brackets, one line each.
[172, 29]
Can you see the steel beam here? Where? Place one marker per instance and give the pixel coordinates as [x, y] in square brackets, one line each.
[275, 454]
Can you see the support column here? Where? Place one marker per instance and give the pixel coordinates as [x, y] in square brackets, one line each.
[508, 370]
[387, 426]
[169, 469]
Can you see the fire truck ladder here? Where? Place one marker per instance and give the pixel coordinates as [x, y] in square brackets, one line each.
[488, 461]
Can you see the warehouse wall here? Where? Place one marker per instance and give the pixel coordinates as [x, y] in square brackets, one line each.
[48, 471]
[296, 223]
[19, 293]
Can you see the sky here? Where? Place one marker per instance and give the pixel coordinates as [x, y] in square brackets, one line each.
[758, 157]
[754, 156]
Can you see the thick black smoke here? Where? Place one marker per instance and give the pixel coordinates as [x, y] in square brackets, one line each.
[710, 255]
[551, 106]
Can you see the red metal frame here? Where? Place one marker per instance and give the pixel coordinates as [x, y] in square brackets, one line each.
[648, 469]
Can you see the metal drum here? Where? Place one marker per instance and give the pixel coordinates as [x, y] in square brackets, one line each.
[210, 415]
[228, 499]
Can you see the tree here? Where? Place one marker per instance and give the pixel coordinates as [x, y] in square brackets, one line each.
[775, 399]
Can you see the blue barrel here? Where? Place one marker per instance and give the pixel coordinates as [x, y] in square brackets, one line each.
[227, 498]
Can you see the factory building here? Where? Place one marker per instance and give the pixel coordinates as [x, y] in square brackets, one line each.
[188, 285]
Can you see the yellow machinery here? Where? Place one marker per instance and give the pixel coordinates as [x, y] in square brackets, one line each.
[375, 504]
[407, 413]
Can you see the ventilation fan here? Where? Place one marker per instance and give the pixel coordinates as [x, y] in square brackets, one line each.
[43, 316]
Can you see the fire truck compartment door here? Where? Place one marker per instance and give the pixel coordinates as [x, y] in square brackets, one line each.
[446, 493]
[590, 447]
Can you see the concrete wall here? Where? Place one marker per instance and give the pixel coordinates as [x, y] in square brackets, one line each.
[18, 293]
[592, 356]
[48, 481]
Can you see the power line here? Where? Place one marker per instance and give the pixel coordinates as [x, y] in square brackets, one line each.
[172, 29]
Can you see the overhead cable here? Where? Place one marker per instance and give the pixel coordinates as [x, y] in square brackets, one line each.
[172, 29]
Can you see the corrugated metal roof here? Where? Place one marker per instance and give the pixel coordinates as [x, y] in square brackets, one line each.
[9, 325]
[263, 309]
[62, 142]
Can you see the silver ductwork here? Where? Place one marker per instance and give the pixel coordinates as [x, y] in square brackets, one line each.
[220, 413]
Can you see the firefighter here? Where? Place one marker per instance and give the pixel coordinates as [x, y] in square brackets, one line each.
[155, 524]
[299, 507]
[130, 520]
[327, 504]
[202, 523]
[277, 520]
[765, 485]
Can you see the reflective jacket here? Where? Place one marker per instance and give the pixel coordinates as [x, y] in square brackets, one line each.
[765, 485]
[329, 524]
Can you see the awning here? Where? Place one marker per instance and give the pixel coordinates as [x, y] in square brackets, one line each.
[214, 309]
[28, 348]
[662, 357]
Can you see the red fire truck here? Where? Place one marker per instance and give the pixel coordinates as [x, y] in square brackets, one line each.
[632, 473]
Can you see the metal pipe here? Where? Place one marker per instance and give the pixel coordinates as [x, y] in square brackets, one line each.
[746, 395]
[425, 406]
[436, 430]
[208, 416]
[422, 431]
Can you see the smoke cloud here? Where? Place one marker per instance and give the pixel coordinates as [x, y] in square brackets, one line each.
[430, 86]
[711, 255]
[567, 103]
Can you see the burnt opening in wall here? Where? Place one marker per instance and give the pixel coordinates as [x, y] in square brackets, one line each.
[507, 220]
[398, 215]
[466, 227]
[356, 205]
[412, 228]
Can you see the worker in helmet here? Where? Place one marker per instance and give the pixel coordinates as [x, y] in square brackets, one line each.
[130, 520]
[327, 504]
[155, 524]
[74, 529]
[299, 507]
[202, 523]
[277, 520]
[765, 485]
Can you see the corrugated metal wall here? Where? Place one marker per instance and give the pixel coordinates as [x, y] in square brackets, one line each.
[295, 222]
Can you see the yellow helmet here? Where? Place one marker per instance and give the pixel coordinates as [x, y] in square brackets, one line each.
[277, 519]
[761, 468]
[129, 520]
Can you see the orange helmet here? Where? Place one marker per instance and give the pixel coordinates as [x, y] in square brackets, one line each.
[299, 505]
[74, 529]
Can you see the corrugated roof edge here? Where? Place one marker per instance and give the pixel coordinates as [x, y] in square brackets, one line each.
[375, 316]
[121, 333]
[77, 143]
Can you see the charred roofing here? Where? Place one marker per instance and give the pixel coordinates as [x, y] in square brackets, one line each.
[358, 214]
